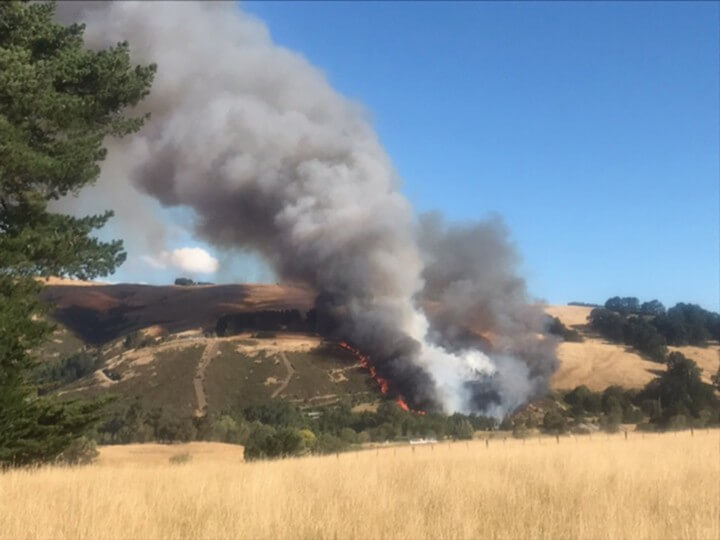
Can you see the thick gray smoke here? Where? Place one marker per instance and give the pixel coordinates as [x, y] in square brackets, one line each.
[253, 139]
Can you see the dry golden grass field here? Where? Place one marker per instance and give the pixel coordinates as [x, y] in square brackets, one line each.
[649, 486]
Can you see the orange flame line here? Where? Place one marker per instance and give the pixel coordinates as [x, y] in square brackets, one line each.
[383, 382]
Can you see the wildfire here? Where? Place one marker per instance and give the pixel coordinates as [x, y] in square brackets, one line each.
[383, 382]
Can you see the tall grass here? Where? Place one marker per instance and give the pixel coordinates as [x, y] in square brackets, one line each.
[651, 486]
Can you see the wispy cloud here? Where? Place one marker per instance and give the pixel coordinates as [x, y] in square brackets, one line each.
[193, 260]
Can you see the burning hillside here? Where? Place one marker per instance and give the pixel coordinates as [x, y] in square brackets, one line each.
[383, 383]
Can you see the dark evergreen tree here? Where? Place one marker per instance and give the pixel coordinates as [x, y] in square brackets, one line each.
[58, 101]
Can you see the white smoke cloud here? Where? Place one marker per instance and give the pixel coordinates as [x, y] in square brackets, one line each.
[192, 260]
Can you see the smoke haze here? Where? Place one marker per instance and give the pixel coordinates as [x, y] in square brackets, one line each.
[269, 157]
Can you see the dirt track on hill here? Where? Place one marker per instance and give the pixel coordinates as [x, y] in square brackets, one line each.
[210, 352]
[286, 380]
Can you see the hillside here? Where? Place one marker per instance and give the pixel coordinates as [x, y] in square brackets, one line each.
[598, 363]
[155, 344]
[192, 375]
[103, 312]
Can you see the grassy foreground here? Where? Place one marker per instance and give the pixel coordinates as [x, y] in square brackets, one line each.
[651, 486]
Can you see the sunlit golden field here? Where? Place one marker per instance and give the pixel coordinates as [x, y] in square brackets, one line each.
[651, 486]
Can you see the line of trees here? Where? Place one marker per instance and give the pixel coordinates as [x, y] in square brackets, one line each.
[280, 429]
[682, 324]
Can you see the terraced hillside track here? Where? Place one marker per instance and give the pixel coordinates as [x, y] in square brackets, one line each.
[286, 380]
[210, 352]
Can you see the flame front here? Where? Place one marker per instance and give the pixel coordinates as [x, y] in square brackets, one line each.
[384, 384]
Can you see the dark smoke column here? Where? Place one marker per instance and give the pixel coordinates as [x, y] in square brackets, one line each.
[270, 158]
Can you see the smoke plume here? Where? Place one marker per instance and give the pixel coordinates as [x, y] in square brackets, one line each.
[269, 157]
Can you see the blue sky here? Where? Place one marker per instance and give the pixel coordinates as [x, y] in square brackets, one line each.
[592, 128]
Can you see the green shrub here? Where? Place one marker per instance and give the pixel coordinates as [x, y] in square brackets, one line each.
[328, 444]
[463, 430]
[227, 429]
[348, 435]
[309, 441]
[180, 458]
[556, 327]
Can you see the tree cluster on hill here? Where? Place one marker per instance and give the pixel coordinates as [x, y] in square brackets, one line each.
[649, 328]
[51, 374]
[58, 102]
[682, 324]
[633, 331]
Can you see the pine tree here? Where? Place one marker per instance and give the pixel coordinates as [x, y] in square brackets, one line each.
[58, 102]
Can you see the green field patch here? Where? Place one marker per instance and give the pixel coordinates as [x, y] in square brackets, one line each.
[170, 383]
[324, 371]
[237, 379]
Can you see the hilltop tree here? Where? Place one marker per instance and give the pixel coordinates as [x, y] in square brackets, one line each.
[653, 307]
[628, 304]
[58, 102]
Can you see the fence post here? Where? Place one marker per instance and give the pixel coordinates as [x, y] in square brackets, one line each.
[557, 438]
[487, 442]
[626, 434]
